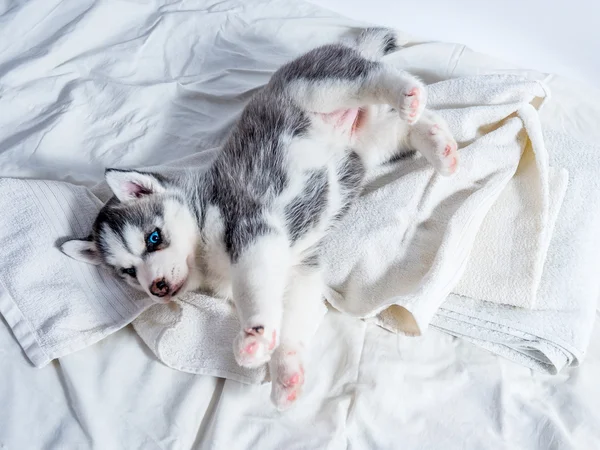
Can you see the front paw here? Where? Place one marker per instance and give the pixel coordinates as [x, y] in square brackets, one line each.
[412, 102]
[253, 346]
[444, 149]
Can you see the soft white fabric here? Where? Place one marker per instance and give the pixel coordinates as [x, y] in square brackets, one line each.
[366, 388]
[416, 231]
[510, 250]
[196, 335]
[505, 29]
[90, 84]
[412, 258]
[557, 332]
[54, 304]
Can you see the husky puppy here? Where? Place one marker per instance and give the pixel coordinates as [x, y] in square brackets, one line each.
[249, 228]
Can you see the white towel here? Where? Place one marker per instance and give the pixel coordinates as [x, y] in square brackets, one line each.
[54, 304]
[417, 230]
[196, 335]
[509, 253]
[557, 332]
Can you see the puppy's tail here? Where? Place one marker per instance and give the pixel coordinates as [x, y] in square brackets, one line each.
[374, 43]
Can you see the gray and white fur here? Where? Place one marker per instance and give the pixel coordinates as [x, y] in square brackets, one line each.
[249, 228]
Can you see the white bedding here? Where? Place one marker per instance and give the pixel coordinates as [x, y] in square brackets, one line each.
[523, 32]
[367, 388]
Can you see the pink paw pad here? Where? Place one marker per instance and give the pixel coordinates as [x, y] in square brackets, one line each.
[412, 104]
[434, 129]
[294, 380]
[251, 348]
[287, 387]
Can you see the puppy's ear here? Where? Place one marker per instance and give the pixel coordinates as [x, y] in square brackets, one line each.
[81, 250]
[130, 184]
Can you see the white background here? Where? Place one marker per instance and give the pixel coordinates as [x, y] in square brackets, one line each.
[557, 36]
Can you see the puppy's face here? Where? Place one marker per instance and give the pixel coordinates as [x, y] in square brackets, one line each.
[147, 235]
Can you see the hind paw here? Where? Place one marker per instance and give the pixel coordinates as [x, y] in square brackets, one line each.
[288, 379]
[253, 346]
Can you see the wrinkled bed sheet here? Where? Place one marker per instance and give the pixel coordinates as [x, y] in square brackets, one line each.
[86, 84]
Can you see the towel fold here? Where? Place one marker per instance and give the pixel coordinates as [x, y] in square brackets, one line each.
[509, 253]
[417, 229]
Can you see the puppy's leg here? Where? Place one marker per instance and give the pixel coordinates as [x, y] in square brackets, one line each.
[303, 311]
[259, 278]
[433, 139]
[334, 78]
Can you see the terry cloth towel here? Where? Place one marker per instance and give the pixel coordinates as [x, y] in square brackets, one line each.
[413, 253]
[557, 332]
[509, 252]
[54, 304]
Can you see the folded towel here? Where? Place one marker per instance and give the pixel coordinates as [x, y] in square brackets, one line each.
[509, 253]
[413, 254]
[557, 333]
[53, 304]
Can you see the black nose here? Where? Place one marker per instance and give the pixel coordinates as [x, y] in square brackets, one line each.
[159, 287]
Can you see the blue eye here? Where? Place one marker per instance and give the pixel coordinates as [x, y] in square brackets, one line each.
[130, 271]
[154, 239]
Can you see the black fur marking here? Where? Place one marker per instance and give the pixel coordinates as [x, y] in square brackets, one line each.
[305, 210]
[391, 45]
[351, 174]
[241, 231]
[331, 61]
[401, 156]
[117, 215]
[313, 259]
[250, 171]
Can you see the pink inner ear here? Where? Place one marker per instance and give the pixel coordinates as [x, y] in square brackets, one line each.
[136, 190]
